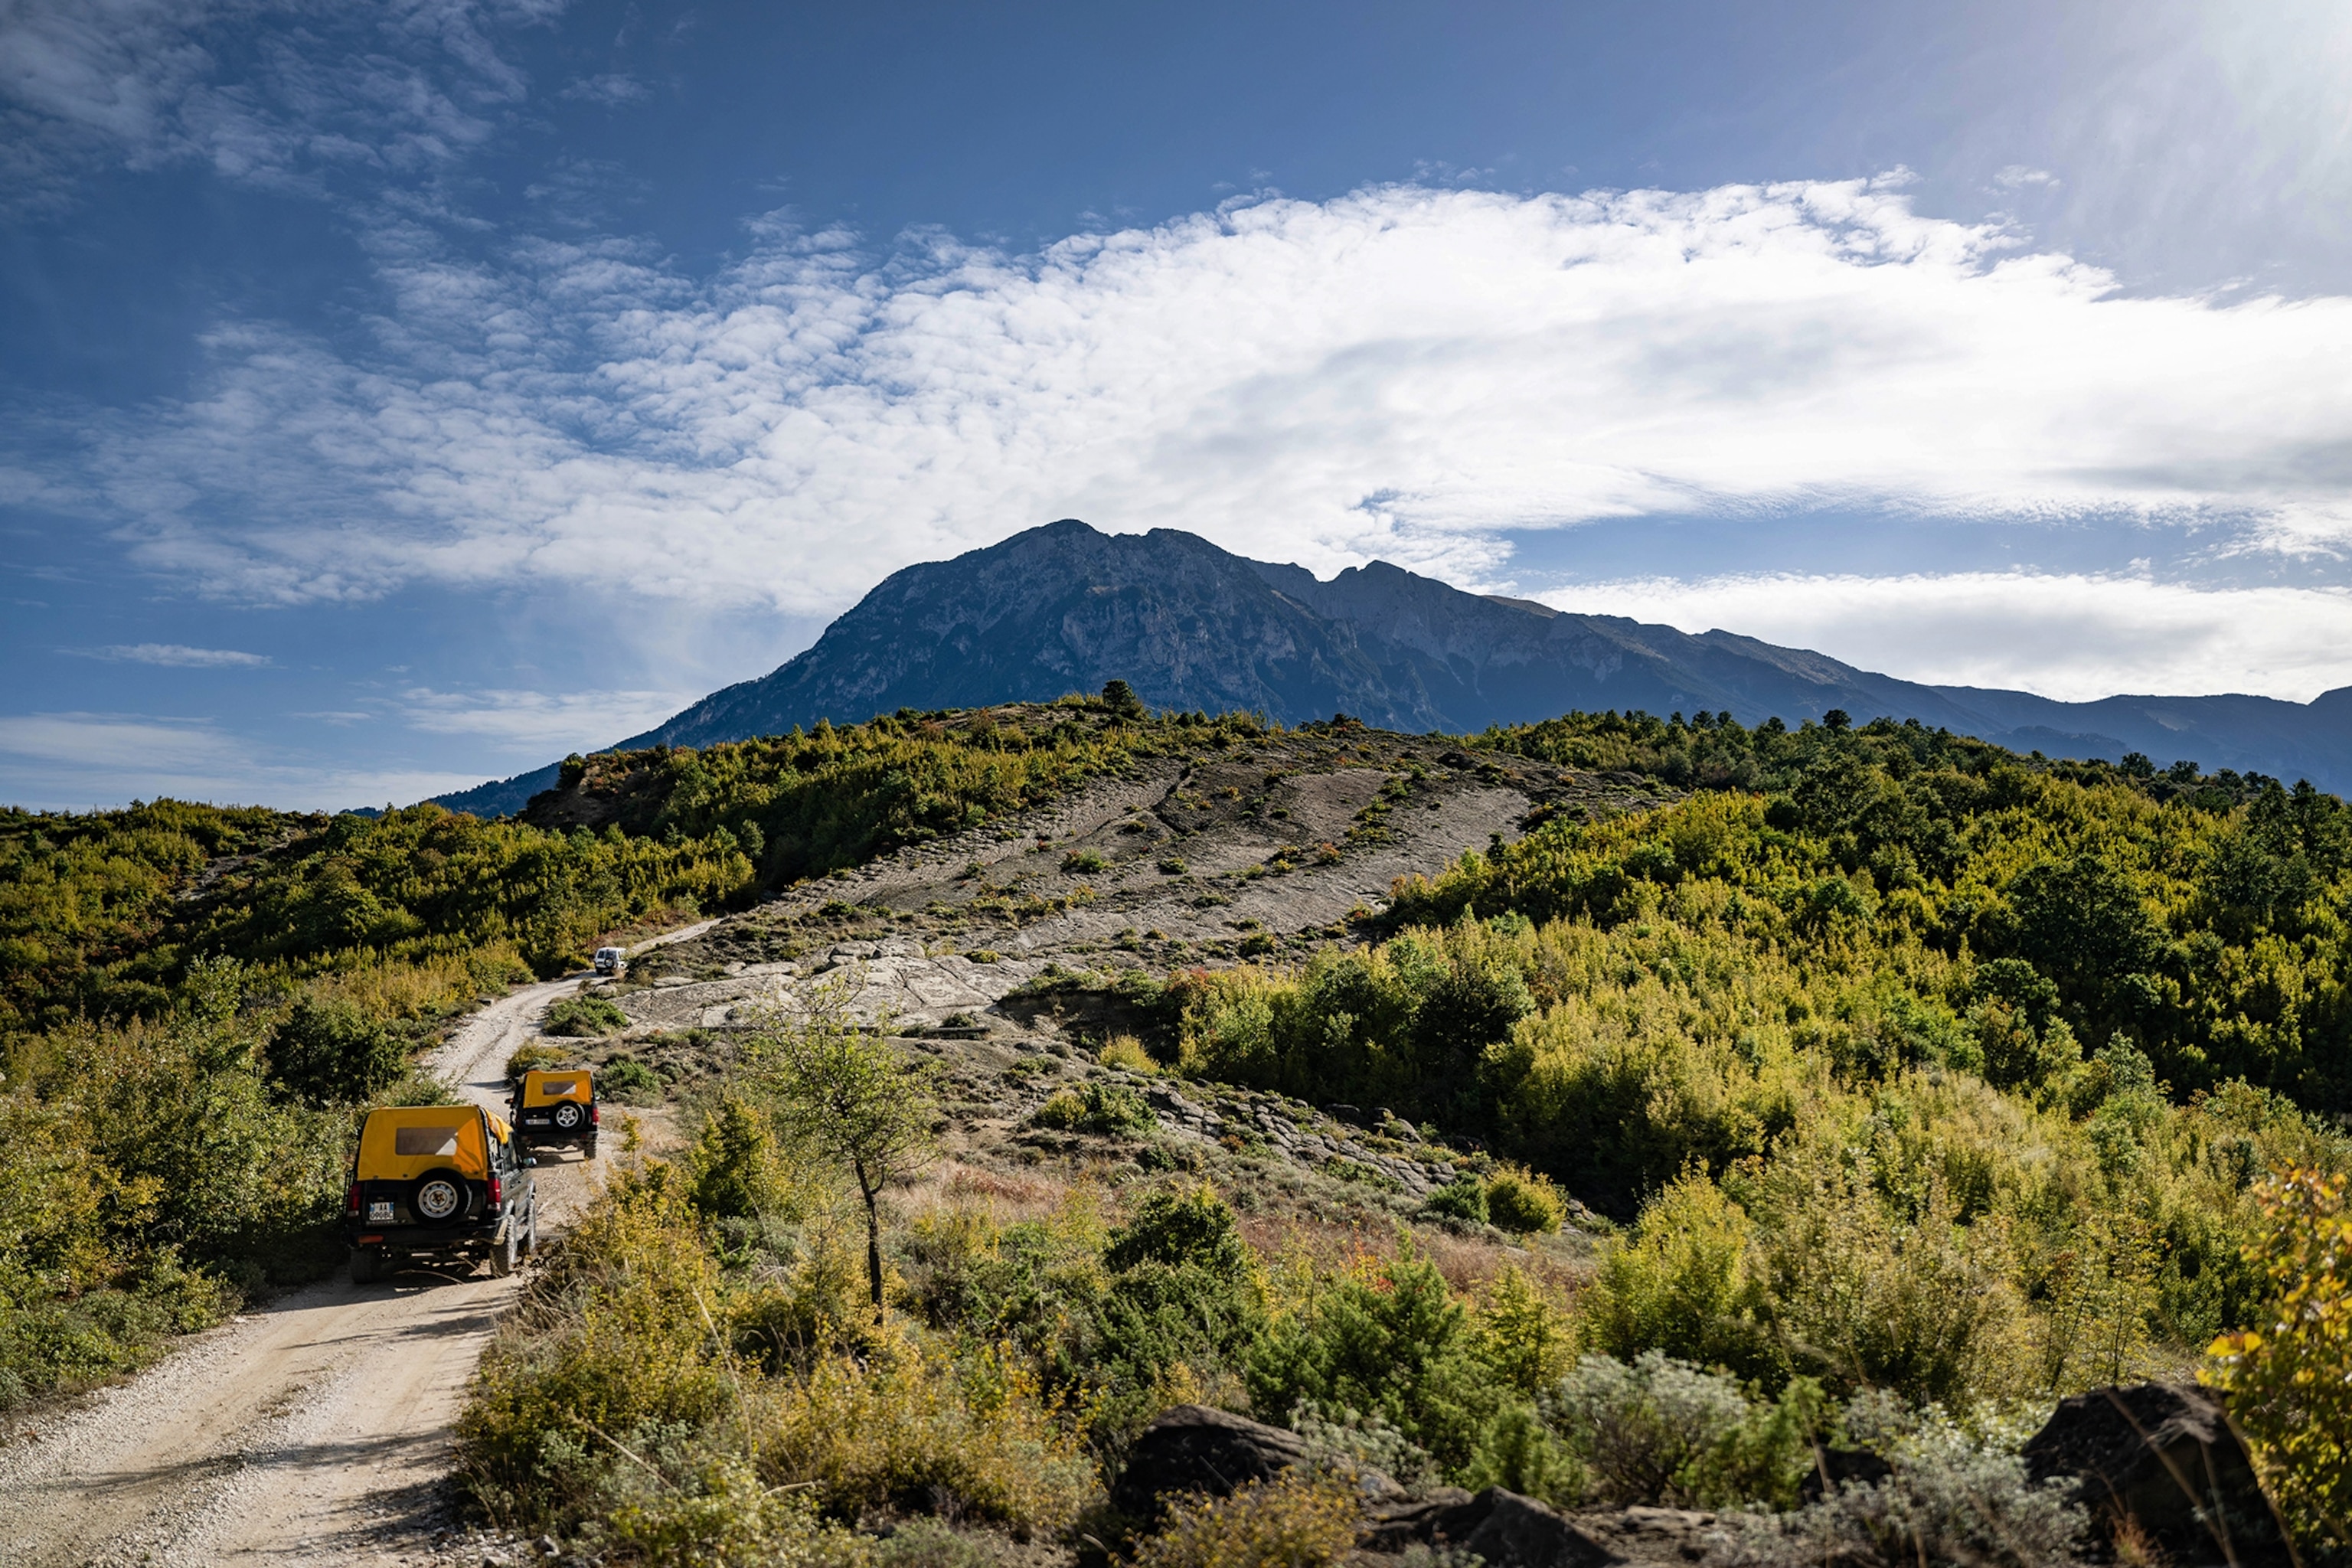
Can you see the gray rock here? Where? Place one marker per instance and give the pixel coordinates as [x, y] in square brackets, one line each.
[2164, 1458]
[1513, 1532]
[1193, 1448]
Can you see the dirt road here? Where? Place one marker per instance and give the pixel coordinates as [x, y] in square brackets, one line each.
[312, 1429]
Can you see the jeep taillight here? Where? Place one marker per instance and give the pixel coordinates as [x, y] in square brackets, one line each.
[594, 1116]
[497, 1191]
[352, 1200]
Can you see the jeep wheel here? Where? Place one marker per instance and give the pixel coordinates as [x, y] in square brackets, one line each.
[367, 1264]
[506, 1256]
[438, 1198]
[568, 1116]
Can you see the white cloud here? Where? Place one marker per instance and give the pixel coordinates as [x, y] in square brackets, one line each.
[2074, 637]
[318, 88]
[1403, 372]
[539, 724]
[117, 740]
[175, 654]
[610, 90]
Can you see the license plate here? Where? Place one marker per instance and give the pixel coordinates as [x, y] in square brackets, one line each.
[536, 1120]
[379, 1213]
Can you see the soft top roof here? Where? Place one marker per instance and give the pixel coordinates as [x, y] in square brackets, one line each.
[402, 1142]
[550, 1087]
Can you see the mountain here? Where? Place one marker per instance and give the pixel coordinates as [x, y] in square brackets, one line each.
[1064, 608]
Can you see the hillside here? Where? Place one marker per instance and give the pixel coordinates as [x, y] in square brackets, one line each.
[1832, 1085]
[1064, 608]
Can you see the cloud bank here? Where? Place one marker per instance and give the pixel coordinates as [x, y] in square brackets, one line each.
[1405, 371]
[2072, 636]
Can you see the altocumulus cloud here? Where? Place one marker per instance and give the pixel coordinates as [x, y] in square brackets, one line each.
[1405, 370]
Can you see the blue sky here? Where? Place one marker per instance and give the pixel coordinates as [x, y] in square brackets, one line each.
[401, 395]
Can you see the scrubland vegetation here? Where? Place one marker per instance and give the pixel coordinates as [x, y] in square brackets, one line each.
[192, 997]
[1923, 1083]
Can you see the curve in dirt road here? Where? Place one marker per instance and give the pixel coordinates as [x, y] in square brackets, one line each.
[313, 1430]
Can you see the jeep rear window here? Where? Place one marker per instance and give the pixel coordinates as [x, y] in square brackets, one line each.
[425, 1140]
[560, 1086]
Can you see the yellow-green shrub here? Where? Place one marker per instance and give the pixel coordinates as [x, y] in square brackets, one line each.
[2289, 1378]
[912, 1427]
[1298, 1519]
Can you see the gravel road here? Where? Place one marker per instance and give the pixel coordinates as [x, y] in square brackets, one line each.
[312, 1429]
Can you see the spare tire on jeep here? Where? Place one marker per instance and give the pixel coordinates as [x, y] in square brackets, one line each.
[438, 1198]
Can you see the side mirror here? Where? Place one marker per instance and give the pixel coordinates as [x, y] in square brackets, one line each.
[533, 1161]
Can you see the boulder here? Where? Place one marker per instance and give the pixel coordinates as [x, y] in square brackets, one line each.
[2162, 1459]
[1513, 1532]
[1193, 1448]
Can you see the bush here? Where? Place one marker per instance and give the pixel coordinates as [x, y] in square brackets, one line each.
[329, 1053]
[1297, 1519]
[534, 1056]
[910, 1429]
[1681, 1285]
[2289, 1380]
[731, 1169]
[1951, 1499]
[582, 1017]
[1522, 1202]
[630, 1082]
[1110, 1110]
[1463, 1199]
[1392, 1342]
[1662, 1432]
[1125, 1052]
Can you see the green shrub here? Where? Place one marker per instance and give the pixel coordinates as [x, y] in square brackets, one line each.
[1463, 1199]
[1171, 866]
[1190, 1226]
[1084, 861]
[327, 1052]
[629, 1081]
[579, 1017]
[731, 1171]
[1522, 1202]
[1109, 1110]
[1395, 1344]
[1662, 1432]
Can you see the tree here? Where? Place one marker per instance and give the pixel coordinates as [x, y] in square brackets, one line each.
[329, 1053]
[843, 1092]
[1122, 700]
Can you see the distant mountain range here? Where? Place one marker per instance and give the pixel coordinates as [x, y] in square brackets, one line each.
[1064, 608]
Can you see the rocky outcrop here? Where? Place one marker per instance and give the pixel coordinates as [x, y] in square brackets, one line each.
[1193, 1448]
[2161, 1461]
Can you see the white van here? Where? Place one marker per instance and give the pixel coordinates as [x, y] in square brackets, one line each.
[611, 959]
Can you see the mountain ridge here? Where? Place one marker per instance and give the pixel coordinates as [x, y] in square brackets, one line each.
[1065, 607]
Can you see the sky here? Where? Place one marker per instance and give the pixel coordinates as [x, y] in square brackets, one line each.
[397, 397]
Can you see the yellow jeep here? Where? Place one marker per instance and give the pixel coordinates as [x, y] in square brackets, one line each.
[557, 1108]
[442, 1184]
